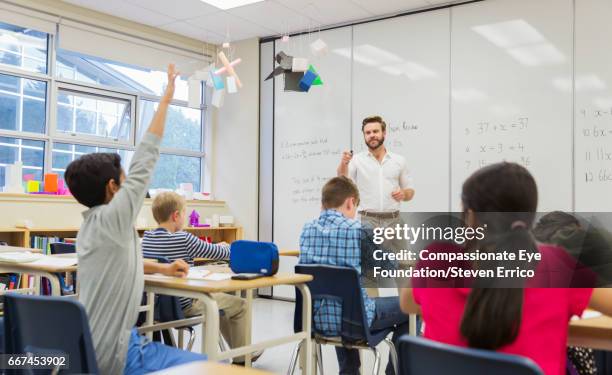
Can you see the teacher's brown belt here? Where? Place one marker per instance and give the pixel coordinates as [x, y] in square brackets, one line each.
[380, 215]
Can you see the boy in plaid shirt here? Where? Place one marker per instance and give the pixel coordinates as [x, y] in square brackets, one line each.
[335, 239]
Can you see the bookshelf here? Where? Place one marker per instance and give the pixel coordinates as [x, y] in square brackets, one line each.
[14, 237]
[20, 237]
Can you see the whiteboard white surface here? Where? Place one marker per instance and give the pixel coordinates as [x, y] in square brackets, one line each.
[593, 110]
[401, 72]
[310, 131]
[507, 60]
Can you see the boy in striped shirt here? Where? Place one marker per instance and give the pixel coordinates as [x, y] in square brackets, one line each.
[170, 241]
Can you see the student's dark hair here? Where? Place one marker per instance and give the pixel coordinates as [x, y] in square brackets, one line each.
[336, 190]
[553, 222]
[492, 317]
[88, 175]
[372, 119]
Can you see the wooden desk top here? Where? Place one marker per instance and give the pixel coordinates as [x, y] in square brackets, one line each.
[210, 368]
[289, 253]
[14, 249]
[207, 286]
[600, 326]
[25, 267]
[595, 333]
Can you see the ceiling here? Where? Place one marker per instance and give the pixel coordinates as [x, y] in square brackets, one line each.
[198, 20]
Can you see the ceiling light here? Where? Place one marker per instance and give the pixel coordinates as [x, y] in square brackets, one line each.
[537, 55]
[588, 82]
[510, 33]
[229, 4]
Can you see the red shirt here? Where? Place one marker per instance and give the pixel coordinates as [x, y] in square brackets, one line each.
[543, 332]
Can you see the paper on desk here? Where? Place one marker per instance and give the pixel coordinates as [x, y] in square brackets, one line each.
[197, 274]
[19, 257]
[587, 314]
[218, 276]
[55, 261]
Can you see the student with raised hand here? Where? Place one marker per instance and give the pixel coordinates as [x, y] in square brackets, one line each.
[110, 261]
[531, 322]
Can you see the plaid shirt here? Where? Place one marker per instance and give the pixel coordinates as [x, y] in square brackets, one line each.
[335, 240]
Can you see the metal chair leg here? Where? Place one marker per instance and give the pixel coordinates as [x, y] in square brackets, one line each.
[393, 355]
[376, 369]
[294, 357]
[223, 346]
[179, 333]
[192, 335]
[319, 354]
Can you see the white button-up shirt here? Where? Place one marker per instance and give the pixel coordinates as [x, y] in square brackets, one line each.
[377, 180]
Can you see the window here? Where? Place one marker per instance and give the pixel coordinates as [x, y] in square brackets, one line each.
[93, 115]
[30, 152]
[88, 105]
[183, 125]
[23, 48]
[94, 70]
[22, 104]
[172, 170]
[63, 153]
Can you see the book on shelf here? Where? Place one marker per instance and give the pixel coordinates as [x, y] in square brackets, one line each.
[43, 243]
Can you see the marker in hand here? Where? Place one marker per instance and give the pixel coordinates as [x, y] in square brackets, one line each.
[347, 156]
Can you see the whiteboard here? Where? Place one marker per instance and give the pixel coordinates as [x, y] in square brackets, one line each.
[404, 77]
[310, 131]
[517, 80]
[593, 110]
[506, 105]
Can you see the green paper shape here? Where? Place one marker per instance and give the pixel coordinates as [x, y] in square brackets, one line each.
[317, 81]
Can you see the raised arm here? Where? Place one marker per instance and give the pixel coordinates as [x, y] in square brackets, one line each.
[343, 167]
[126, 204]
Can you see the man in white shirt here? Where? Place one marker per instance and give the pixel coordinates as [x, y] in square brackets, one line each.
[383, 180]
[382, 177]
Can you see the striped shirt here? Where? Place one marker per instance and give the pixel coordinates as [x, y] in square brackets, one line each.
[181, 245]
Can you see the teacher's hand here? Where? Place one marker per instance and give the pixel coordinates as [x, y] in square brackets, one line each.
[346, 157]
[398, 195]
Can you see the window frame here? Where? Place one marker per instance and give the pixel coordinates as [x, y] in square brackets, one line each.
[51, 135]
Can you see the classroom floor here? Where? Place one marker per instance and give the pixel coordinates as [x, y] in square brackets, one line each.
[272, 318]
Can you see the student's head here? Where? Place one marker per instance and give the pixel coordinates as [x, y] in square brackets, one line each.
[374, 131]
[169, 208]
[553, 222]
[94, 179]
[341, 194]
[503, 197]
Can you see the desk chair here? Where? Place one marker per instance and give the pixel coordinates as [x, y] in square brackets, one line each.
[339, 285]
[420, 356]
[52, 326]
[168, 309]
[64, 248]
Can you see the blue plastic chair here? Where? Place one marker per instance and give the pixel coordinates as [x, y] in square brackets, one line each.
[49, 325]
[340, 284]
[168, 309]
[420, 356]
[64, 248]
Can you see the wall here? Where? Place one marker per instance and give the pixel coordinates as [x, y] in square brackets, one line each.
[235, 142]
[65, 212]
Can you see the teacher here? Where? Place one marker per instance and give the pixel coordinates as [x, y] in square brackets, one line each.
[382, 177]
